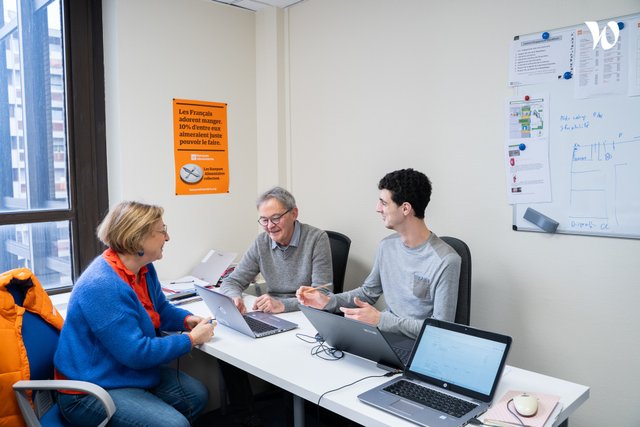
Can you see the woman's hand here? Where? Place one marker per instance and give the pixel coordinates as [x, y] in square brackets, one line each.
[203, 331]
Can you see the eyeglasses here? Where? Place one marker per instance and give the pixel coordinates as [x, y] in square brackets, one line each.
[163, 231]
[263, 221]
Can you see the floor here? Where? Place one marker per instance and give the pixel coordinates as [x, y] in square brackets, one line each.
[273, 409]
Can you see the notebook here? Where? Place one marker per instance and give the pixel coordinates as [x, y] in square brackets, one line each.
[499, 414]
[391, 351]
[457, 363]
[256, 324]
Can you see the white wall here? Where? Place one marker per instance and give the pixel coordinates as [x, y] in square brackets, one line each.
[157, 50]
[370, 86]
[378, 85]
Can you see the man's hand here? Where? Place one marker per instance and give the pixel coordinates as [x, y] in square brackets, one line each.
[240, 304]
[310, 296]
[365, 313]
[268, 304]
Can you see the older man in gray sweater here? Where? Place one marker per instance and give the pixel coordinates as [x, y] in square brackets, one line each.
[289, 254]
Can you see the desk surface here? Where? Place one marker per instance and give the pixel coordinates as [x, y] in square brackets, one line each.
[286, 361]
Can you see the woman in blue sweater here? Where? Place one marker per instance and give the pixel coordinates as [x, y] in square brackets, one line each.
[111, 332]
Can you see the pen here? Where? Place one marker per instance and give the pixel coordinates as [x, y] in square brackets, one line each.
[181, 281]
[317, 288]
[187, 301]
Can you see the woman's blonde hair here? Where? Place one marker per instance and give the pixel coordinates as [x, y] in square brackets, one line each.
[126, 225]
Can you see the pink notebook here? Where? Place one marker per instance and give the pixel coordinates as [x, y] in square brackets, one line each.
[499, 415]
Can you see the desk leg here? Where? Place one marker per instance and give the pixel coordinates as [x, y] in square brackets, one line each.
[298, 411]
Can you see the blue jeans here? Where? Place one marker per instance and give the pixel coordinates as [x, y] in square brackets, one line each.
[176, 401]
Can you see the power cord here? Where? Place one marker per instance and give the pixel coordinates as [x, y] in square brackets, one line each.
[388, 374]
[321, 350]
[514, 414]
[477, 422]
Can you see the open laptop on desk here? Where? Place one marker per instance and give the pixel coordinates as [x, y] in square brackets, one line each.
[256, 324]
[391, 351]
[459, 364]
[206, 273]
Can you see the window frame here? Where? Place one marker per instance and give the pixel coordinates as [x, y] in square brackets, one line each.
[86, 135]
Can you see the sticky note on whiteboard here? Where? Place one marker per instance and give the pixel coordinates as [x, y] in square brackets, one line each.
[544, 222]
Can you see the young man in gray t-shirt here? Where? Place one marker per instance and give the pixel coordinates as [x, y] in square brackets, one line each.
[416, 271]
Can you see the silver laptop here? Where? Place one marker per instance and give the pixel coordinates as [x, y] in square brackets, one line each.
[255, 324]
[206, 272]
[213, 266]
[390, 351]
[453, 363]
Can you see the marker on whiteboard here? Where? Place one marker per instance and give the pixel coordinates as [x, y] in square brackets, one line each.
[545, 35]
[522, 147]
[542, 221]
[526, 98]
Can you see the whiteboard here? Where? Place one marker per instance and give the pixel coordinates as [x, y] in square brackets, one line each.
[594, 159]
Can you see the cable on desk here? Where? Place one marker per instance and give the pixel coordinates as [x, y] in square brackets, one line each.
[513, 413]
[388, 374]
[321, 350]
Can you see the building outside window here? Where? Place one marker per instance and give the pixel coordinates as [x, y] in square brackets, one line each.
[44, 199]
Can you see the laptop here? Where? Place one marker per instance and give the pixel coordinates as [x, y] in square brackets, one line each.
[256, 324]
[390, 351]
[451, 361]
[206, 273]
[213, 266]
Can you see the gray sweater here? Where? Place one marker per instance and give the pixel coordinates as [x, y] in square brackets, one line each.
[417, 283]
[308, 263]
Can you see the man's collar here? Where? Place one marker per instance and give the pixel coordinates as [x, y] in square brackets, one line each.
[295, 239]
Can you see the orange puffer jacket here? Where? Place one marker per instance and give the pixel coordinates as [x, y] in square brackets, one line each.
[14, 364]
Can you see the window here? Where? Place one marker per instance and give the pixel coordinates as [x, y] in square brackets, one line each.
[53, 188]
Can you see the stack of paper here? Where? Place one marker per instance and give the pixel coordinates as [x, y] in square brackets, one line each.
[183, 284]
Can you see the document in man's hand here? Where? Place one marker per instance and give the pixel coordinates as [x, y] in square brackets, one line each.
[498, 414]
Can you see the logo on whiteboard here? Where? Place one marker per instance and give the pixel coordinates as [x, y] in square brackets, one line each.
[601, 37]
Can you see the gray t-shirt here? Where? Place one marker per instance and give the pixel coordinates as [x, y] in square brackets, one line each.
[306, 261]
[417, 283]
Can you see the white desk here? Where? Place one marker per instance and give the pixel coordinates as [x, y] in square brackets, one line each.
[285, 361]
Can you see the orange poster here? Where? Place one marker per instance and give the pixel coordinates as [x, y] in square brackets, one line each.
[200, 147]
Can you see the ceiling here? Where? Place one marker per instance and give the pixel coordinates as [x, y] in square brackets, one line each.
[256, 5]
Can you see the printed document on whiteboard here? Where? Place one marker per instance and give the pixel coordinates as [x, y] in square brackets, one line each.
[599, 71]
[533, 59]
[527, 150]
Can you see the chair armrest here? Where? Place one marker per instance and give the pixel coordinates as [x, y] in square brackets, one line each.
[20, 388]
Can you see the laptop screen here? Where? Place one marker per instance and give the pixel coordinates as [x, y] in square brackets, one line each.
[459, 358]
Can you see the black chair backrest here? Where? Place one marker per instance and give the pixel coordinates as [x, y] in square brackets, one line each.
[340, 245]
[463, 308]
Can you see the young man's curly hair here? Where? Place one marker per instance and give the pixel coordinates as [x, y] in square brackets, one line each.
[408, 185]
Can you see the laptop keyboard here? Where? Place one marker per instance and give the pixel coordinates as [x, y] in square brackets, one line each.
[403, 353]
[258, 326]
[431, 398]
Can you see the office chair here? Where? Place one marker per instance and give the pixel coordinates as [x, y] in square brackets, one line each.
[40, 340]
[340, 245]
[463, 307]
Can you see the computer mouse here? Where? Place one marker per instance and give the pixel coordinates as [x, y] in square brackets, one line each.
[525, 404]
